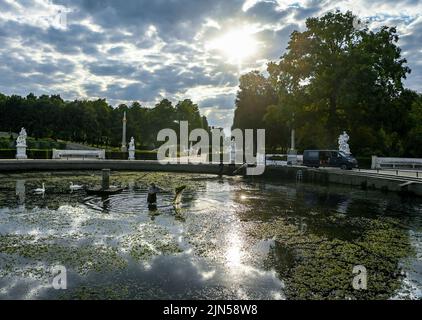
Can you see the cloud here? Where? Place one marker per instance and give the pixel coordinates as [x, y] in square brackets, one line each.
[144, 50]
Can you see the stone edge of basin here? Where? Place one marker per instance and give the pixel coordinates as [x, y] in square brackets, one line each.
[365, 181]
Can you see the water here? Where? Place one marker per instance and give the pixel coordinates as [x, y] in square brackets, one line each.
[231, 238]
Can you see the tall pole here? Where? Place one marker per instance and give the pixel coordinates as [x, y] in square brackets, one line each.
[292, 154]
[293, 140]
[124, 147]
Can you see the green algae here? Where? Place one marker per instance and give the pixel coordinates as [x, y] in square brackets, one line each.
[82, 259]
[323, 268]
[96, 292]
[150, 240]
[98, 241]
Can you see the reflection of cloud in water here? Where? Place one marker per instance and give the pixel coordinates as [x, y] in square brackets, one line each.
[202, 250]
[344, 206]
[20, 191]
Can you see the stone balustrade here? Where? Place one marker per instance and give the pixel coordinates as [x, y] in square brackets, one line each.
[79, 154]
[384, 162]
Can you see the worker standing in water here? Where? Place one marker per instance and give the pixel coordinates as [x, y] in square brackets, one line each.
[152, 195]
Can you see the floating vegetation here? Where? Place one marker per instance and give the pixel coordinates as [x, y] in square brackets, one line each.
[323, 268]
[96, 292]
[82, 258]
[230, 238]
[150, 240]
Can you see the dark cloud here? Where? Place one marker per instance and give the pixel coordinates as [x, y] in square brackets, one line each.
[112, 68]
[222, 102]
[175, 19]
[266, 12]
[139, 49]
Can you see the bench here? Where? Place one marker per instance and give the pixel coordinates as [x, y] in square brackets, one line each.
[79, 154]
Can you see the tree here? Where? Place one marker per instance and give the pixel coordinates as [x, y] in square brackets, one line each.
[93, 121]
[414, 137]
[254, 96]
[334, 77]
[186, 110]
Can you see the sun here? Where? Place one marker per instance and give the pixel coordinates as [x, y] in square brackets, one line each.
[236, 45]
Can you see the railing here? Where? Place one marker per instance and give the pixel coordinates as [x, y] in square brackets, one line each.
[382, 162]
[270, 162]
[79, 154]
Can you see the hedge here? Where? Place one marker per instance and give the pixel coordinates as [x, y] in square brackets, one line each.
[47, 154]
[139, 155]
[39, 144]
[31, 153]
[364, 162]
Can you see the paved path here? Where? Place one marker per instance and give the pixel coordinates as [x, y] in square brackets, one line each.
[414, 174]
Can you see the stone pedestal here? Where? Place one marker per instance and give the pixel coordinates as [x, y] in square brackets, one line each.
[105, 182]
[21, 152]
[232, 153]
[131, 154]
[292, 157]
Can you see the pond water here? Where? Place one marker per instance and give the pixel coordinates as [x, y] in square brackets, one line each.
[231, 238]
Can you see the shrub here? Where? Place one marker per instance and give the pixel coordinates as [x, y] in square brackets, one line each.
[139, 155]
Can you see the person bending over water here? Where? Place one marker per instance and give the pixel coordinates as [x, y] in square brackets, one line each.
[178, 195]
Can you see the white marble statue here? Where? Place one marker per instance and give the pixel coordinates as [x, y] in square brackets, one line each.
[132, 144]
[343, 143]
[132, 149]
[21, 145]
[21, 140]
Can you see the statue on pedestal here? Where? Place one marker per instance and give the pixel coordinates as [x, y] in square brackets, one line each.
[132, 149]
[343, 143]
[21, 145]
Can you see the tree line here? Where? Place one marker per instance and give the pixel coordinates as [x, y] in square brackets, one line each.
[335, 77]
[94, 122]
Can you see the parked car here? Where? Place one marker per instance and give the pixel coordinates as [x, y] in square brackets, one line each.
[328, 158]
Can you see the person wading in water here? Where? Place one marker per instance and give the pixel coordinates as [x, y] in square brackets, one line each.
[152, 195]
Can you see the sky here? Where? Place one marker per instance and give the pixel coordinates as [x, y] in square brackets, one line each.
[147, 50]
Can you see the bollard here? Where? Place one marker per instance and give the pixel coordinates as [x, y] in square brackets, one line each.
[105, 184]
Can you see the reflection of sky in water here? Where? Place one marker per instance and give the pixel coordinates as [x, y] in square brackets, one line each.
[215, 257]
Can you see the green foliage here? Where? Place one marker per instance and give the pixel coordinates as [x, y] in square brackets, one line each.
[47, 154]
[334, 77]
[414, 138]
[91, 122]
[42, 144]
[31, 153]
[6, 143]
[254, 96]
[324, 269]
[7, 153]
[139, 155]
